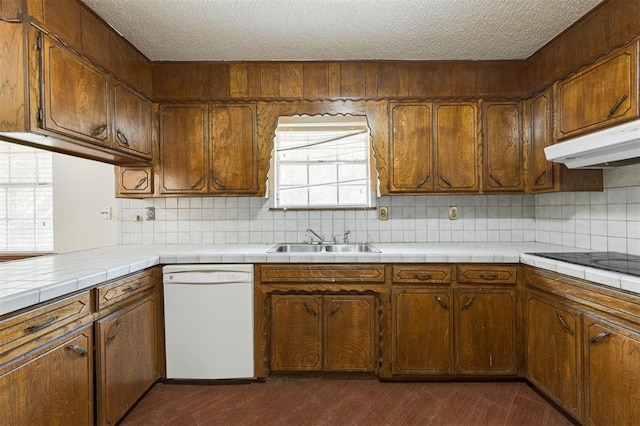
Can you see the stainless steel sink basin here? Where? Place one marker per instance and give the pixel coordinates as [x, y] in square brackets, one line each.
[319, 248]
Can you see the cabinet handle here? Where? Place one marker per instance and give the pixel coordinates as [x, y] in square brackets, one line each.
[489, 277]
[468, 303]
[615, 106]
[115, 332]
[218, 182]
[122, 138]
[78, 349]
[197, 183]
[441, 303]
[132, 288]
[336, 309]
[445, 180]
[539, 178]
[423, 181]
[41, 325]
[563, 323]
[99, 130]
[141, 182]
[423, 277]
[599, 336]
[310, 309]
[495, 179]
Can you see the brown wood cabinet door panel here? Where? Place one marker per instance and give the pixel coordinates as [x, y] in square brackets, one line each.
[95, 37]
[612, 368]
[503, 153]
[134, 180]
[541, 172]
[296, 333]
[421, 332]
[457, 151]
[127, 358]
[76, 96]
[599, 95]
[62, 19]
[553, 350]
[52, 386]
[349, 333]
[122, 289]
[132, 121]
[411, 148]
[233, 149]
[306, 274]
[486, 274]
[183, 141]
[485, 332]
[12, 101]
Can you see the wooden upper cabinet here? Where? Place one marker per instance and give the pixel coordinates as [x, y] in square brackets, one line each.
[612, 368]
[61, 18]
[502, 141]
[600, 95]
[76, 97]
[95, 38]
[233, 149]
[540, 173]
[553, 352]
[457, 149]
[132, 121]
[183, 141]
[411, 147]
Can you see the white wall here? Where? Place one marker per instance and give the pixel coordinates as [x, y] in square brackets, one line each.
[81, 189]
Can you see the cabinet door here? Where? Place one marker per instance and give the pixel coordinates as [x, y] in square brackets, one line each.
[598, 96]
[183, 142]
[54, 385]
[457, 150]
[127, 348]
[421, 332]
[553, 351]
[132, 121]
[612, 368]
[349, 333]
[485, 332]
[76, 96]
[133, 181]
[411, 147]
[541, 172]
[296, 333]
[503, 154]
[233, 149]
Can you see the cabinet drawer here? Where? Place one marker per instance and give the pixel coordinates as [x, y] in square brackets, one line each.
[35, 323]
[119, 290]
[322, 273]
[417, 274]
[483, 274]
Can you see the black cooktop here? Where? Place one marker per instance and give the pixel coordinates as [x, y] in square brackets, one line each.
[607, 260]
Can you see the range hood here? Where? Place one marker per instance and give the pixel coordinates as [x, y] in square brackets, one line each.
[613, 147]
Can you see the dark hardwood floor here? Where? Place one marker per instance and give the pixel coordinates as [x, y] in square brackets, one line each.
[318, 401]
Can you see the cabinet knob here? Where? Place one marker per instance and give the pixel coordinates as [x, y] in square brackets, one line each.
[78, 349]
[41, 325]
[441, 303]
[615, 106]
[122, 138]
[599, 336]
[563, 323]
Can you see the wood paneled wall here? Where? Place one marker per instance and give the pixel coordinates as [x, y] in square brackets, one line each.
[610, 25]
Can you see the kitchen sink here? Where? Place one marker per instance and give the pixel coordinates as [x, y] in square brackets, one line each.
[319, 248]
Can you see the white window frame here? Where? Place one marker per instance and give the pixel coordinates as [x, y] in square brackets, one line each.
[347, 126]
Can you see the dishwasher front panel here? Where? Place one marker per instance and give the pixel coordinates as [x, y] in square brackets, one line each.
[209, 328]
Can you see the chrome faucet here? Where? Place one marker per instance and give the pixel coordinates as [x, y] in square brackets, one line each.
[346, 237]
[321, 238]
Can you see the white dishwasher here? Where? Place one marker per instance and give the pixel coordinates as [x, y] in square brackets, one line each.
[209, 321]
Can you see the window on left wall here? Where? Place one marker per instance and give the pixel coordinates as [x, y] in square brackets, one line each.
[26, 199]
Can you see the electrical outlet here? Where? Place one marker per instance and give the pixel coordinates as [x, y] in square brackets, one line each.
[383, 213]
[453, 213]
[106, 213]
[150, 213]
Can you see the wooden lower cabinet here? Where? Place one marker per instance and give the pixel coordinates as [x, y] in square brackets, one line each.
[421, 331]
[323, 333]
[127, 357]
[53, 385]
[485, 332]
[553, 351]
[612, 369]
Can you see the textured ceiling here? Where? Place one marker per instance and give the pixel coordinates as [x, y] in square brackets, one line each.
[292, 30]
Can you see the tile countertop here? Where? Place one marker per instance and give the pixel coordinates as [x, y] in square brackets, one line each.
[30, 281]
